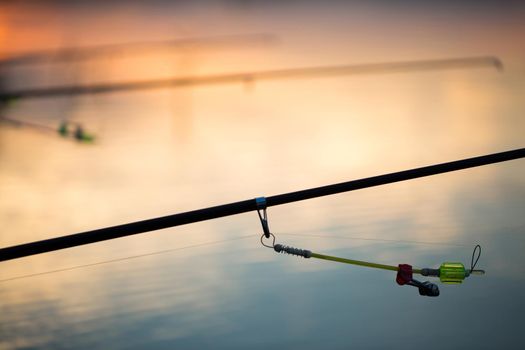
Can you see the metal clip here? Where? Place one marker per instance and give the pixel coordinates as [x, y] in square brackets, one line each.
[261, 206]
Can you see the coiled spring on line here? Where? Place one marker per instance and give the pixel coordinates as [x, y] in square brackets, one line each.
[279, 248]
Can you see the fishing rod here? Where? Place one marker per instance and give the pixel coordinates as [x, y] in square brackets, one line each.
[248, 77]
[70, 54]
[258, 204]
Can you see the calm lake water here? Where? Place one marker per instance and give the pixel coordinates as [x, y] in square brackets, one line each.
[212, 284]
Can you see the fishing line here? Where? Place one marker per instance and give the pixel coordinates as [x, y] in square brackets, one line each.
[103, 262]
[472, 262]
[22, 123]
[374, 239]
[217, 242]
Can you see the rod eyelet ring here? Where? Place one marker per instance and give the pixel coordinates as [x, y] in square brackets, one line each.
[266, 245]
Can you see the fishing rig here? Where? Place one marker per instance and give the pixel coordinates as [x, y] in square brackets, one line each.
[10, 98]
[448, 272]
[66, 129]
[74, 130]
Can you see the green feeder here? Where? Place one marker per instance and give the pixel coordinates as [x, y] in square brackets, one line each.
[83, 136]
[455, 272]
[452, 273]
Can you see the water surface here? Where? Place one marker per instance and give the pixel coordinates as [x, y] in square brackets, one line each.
[212, 284]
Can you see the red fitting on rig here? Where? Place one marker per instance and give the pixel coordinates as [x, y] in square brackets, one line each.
[404, 274]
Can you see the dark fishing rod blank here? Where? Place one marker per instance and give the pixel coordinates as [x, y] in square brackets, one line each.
[133, 228]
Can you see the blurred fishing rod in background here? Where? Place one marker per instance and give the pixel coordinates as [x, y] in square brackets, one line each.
[8, 98]
[75, 130]
[250, 77]
[71, 54]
